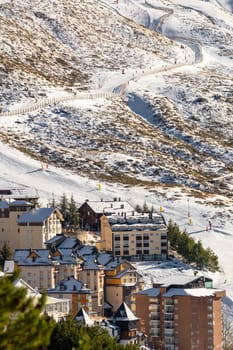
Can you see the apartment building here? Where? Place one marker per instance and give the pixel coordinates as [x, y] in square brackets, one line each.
[183, 314]
[135, 237]
[121, 281]
[90, 212]
[77, 293]
[125, 319]
[24, 226]
[44, 268]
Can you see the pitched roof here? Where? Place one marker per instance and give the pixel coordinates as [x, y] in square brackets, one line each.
[12, 190]
[4, 204]
[124, 313]
[36, 215]
[69, 286]
[90, 263]
[84, 318]
[23, 257]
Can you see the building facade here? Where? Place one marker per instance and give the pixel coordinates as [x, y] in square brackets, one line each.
[135, 237]
[181, 317]
[23, 226]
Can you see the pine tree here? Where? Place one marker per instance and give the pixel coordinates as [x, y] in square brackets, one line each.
[73, 217]
[70, 335]
[64, 208]
[5, 253]
[21, 324]
[145, 208]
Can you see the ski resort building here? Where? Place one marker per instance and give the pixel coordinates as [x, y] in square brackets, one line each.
[22, 225]
[181, 313]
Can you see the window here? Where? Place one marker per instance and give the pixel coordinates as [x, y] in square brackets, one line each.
[117, 238]
[139, 238]
[146, 244]
[126, 252]
[125, 238]
[117, 252]
[146, 251]
[138, 245]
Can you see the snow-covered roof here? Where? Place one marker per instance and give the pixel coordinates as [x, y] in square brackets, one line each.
[137, 222]
[178, 279]
[194, 292]
[31, 292]
[84, 317]
[16, 191]
[111, 207]
[36, 215]
[9, 266]
[124, 314]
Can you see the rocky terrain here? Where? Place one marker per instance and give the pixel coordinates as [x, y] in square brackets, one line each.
[169, 127]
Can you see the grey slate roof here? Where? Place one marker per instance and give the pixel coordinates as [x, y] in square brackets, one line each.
[104, 258]
[21, 256]
[69, 242]
[182, 279]
[69, 286]
[151, 292]
[84, 318]
[36, 215]
[90, 263]
[124, 314]
[4, 204]
[20, 202]
[86, 250]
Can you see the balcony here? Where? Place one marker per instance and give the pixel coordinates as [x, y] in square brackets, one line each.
[154, 323]
[169, 309]
[154, 332]
[154, 316]
[168, 317]
[168, 331]
[168, 340]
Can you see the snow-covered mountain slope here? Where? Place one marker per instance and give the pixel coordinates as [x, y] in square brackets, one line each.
[173, 125]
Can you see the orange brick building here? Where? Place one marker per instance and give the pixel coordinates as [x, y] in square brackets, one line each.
[181, 317]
